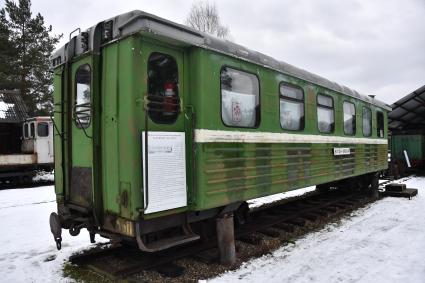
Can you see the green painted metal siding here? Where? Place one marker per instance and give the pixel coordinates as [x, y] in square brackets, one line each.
[229, 172]
[222, 172]
[205, 92]
[122, 105]
[58, 85]
[234, 172]
[413, 144]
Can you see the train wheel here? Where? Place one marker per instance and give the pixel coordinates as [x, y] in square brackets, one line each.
[74, 231]
[374, 185]
[241, 214]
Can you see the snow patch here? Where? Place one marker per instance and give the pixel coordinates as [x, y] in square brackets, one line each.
[257, 202]
[383, 242]
[28, 252]
[4, 107]
[43, 176]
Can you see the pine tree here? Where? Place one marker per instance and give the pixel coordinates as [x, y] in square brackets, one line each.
[7, 55]
[33, 46]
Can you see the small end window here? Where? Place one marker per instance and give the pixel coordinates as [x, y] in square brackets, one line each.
[32, 130]
[43, 129]
[367, 122]
[26, 131]
[163, 89]
[291, 107]
[380, 124]
[240, 98]
[349, 118]
[325, 114]
[82, 104]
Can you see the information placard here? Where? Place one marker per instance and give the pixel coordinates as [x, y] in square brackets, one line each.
[166, 188]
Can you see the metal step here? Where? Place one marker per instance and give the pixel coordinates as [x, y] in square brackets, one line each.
[163, 244]
[171, 242]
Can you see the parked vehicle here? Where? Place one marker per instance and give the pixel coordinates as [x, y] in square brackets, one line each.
[162, 128]
[35, 143]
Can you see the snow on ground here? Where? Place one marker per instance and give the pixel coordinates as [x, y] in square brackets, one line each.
[254, 203]
[26, 244]
[44, 177]
[383, 242]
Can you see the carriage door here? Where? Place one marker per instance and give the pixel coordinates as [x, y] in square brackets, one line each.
[43, 142]
[81, 136]
[164, 142]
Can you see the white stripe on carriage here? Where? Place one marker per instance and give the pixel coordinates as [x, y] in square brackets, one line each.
[209, 136]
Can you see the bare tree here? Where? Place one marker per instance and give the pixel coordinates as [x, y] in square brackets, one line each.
[204, 17]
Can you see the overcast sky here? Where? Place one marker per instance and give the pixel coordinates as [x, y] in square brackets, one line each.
[375, 47]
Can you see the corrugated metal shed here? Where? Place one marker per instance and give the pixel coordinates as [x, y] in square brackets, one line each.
[409, 112]
[12, 107]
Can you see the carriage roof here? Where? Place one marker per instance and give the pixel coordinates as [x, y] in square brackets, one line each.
[138, 21]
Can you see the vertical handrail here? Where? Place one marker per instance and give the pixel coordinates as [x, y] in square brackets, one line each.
[54, 124]
[146, 156]
[190, 129]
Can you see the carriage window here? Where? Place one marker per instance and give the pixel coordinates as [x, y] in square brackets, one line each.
[26, 131]
[367, 122]
[291, 107]
[325, 113]
[240, 98]
[32, 130]
[82, 108]
[380, 124]
[43, 129]
[163, 89]
[349, 118]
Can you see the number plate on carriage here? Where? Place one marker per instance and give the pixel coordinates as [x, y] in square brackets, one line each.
[342, 151]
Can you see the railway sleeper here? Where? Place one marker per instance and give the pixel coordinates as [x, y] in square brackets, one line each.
[170, 270]
[313, 202]
[331, 209]
[290, 228]
[323, 213]
[287, 209]
[300, 222]
[270, 213]
[310, 216]
[252, 239]
[307, 205]
[271, 232]
[342, 206]
[348, 203]
[208, 256]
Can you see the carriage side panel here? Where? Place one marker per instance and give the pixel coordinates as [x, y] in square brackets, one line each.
[232, 167]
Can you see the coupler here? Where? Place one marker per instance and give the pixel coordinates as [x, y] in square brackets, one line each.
[56, 229]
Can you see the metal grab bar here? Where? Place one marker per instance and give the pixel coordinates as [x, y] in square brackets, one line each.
[79, 115]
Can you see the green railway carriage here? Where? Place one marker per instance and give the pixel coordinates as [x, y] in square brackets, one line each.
[159, 127]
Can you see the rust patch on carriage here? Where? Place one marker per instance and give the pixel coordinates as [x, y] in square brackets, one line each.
[81, 186]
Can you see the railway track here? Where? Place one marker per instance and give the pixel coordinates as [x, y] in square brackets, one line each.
[265, 230]
[33, 184]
